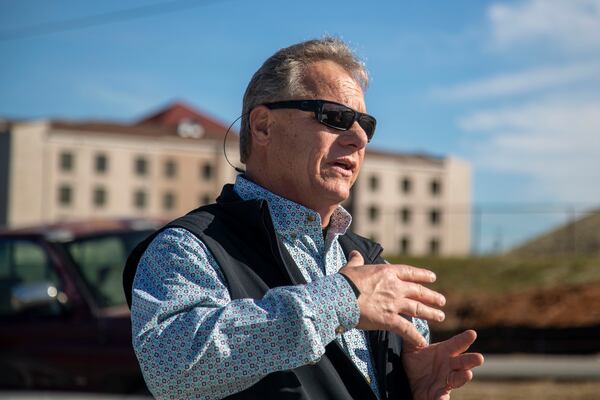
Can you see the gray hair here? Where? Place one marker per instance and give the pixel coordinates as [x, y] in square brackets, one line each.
[281, 77]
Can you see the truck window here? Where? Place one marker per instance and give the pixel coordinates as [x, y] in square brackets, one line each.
[24, 263]
[101, 260]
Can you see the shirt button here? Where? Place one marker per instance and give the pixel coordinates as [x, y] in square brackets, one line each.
[293, 235]
[311, 218]
[340, 329]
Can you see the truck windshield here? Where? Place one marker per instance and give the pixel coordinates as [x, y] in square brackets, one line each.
[101, 259]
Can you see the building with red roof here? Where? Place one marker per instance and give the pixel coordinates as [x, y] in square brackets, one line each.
[171, 161]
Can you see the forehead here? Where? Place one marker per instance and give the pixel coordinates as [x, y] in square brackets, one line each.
[330, 81]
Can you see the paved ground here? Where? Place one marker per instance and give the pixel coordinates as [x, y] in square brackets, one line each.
[536, 367]
[477, 390]
[532, 377]
[528, 390]
[511, 377]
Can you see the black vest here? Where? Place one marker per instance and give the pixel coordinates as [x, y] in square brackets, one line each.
[241, 237]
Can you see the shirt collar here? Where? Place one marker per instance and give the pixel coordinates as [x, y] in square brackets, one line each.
[289, 218]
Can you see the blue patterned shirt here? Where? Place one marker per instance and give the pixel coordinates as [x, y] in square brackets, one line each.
[193, 341]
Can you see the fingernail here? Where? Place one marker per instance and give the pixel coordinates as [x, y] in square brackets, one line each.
[441, 316]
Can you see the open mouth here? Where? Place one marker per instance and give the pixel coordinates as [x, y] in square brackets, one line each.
[344, 164]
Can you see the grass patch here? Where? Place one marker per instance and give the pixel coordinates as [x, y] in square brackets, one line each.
[504, 273]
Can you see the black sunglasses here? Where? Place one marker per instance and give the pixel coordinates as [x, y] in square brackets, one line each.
[331, 114]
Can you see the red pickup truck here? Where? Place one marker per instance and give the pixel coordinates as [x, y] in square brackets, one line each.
[64, 323]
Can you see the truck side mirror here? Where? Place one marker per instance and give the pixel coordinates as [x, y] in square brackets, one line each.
[37, 295]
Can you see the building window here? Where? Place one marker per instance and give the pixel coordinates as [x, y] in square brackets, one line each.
[373, 183]
[65, 195]
[99, 197]
[435, 187]
[170, 169]
[405, 215]
[207, 171]
[434, 246]
[435, 216]
[373, 213]
[140, 199]
[101, 163]
[406, 185]
[168, 201]
[67, 161]
[141, 166]
[405, 245]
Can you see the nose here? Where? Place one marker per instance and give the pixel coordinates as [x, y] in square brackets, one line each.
[355, 136]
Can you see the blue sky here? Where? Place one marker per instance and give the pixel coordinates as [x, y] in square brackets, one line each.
[511, 86]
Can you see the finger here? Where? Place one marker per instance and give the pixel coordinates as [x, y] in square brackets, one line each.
[460, 343]
[466, 361]
[457, 379]
[417, 309]
[405, 329]
[413, 274]
[356, 259]
[423, 294]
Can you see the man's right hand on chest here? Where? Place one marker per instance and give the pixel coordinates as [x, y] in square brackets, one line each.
[389, 292]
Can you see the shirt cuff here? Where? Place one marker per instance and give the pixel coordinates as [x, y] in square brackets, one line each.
[352, 285]
[423, 328]
[335, 306]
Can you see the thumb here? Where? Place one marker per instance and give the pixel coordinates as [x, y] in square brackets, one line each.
[356, 259]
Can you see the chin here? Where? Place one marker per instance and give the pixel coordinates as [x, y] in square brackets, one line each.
[337, 192]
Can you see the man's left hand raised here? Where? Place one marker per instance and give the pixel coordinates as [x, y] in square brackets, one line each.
[435, 370]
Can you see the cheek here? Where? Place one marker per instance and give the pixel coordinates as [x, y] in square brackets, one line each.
[359, 166]
[360, 163]
[299, 161]
[318, 160]
[286, 148]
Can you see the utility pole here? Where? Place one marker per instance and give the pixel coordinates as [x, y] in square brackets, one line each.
[476, 229]
[571, 239]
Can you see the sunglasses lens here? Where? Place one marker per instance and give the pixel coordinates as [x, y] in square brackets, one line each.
[368, 124]
[341, 117]
[337, 116]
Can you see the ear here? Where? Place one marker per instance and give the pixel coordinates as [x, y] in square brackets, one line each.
[260, 123]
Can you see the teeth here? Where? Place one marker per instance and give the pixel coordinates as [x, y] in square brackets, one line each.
[343, 164]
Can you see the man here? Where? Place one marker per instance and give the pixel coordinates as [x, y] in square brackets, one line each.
[265, 294]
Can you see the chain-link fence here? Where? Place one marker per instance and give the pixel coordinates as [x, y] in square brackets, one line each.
[482, 229]
[533, 230]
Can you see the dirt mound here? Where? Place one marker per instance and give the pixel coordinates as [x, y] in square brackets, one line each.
[560, 307]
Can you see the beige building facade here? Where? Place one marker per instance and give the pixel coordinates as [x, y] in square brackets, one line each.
[56, 171]
[414, 204]
[172, 162]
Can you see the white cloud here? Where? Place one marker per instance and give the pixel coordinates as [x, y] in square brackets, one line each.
[572, 25]
[120, 97]
[556, 143]
[116, 97]
[546, 126]
[530, 80]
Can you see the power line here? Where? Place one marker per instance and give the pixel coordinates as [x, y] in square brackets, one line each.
[102, 19]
